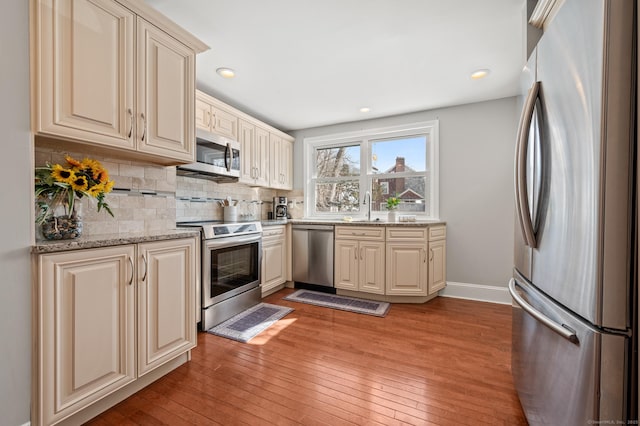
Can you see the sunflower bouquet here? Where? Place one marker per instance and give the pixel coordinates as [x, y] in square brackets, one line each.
[59, 185]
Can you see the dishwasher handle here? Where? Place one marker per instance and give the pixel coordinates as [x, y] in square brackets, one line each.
[328, 228]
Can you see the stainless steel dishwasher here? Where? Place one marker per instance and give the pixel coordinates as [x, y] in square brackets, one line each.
[312, 248]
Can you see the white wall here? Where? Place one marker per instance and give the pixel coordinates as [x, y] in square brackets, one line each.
[16, 183]
[477, 143]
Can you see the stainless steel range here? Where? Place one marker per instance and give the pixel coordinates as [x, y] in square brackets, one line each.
[231, 254]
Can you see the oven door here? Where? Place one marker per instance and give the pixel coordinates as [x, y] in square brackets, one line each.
[230, 266]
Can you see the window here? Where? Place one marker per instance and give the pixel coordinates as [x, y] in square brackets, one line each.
[397, 162]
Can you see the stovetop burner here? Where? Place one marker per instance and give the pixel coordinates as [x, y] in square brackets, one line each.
[219, 229]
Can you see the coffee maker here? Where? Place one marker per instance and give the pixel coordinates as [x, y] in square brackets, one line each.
[279, 207]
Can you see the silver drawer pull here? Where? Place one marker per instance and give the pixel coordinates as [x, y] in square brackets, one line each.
[562, 330]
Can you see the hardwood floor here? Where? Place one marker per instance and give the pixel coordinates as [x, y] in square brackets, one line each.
[446, 362]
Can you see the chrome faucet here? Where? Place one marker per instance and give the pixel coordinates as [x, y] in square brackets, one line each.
[367, 195]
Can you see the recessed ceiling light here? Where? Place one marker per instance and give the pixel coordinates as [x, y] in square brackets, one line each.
[478, 74]
[365, 109]
[226, 72]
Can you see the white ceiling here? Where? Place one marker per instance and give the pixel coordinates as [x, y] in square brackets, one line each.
[304, 63]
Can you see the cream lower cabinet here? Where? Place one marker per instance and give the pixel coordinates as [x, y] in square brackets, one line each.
[112, 78]
[85, 317]
[274, 257]
[359, 259]
[166, 302]
[406, 264]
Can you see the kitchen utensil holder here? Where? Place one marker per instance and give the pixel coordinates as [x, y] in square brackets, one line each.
[230, 213]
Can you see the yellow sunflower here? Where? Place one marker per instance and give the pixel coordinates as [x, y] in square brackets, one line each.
[108, 186]
[100, 175]
[79, 183]
[95, 190]
[88, 163]
[72, 161]
[61, 174]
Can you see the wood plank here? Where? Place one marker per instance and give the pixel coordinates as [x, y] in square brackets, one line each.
[443, 362]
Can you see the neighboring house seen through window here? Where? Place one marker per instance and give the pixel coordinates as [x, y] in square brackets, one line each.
[397, 162]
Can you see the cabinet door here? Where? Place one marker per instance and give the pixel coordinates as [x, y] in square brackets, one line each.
[166, 301]
[406, 269]
[371, 269]
[437, 265]
[286, 165]
[203, 114]
[85, 328]
[275, 159]
[84, 64]
[274, 263]
[261, 156]
[224, 123]
[346, 262]
[166, 95]
[247, 152]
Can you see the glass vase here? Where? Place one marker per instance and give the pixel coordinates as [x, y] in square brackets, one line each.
[63, 224]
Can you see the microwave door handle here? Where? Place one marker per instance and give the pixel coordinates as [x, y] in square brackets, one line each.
[228, 157]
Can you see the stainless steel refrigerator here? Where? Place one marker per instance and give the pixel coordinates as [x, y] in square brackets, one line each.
[574, 279]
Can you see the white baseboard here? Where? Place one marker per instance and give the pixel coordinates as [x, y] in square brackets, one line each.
[27, 424]
[482, 293]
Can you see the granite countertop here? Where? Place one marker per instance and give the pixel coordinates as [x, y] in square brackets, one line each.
[362, 222]
[106, 240]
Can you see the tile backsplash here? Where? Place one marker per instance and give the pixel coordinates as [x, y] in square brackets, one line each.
[149, 197]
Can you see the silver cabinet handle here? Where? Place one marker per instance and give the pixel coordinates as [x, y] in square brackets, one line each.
[568, 334]
[144, 126]
[424, 258]
[430, 255]
[130, 124]
[361, 251]
[522, 200]
[144, 259]
[208, 123]
[130, 263]
[355, 254]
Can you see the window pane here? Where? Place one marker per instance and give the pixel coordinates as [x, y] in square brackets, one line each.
[407, 154]
[342, 161]
[337, 197]
[411, 191]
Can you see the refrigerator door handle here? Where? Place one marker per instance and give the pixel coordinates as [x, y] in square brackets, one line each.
[522, 200]
[563, 331]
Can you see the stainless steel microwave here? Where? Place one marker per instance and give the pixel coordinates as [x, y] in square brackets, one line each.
[217, 158]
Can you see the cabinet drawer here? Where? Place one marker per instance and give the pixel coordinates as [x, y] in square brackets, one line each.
[273, 232]
[397, 233]
[437, 233]
[360, 233]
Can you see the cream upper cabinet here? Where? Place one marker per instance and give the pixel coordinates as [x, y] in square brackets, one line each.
[213, 116]
[274, 257]
[254, 154]
[103, 75]
[85, 329]
[406, 262]
[166, 301]
[437, 259]
[84, 82]
[280, 162]
[166, 92]
[359, 259]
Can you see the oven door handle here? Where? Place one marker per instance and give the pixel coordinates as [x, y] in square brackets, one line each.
[223, 242]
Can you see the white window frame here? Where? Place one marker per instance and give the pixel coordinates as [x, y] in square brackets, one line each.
[364, 138]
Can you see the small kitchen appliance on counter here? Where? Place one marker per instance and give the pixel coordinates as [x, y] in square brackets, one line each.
[279, 208]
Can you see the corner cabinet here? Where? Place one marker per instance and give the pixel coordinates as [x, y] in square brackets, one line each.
[407, 261]
[125, 82]
[437, 258]
[93, 334]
